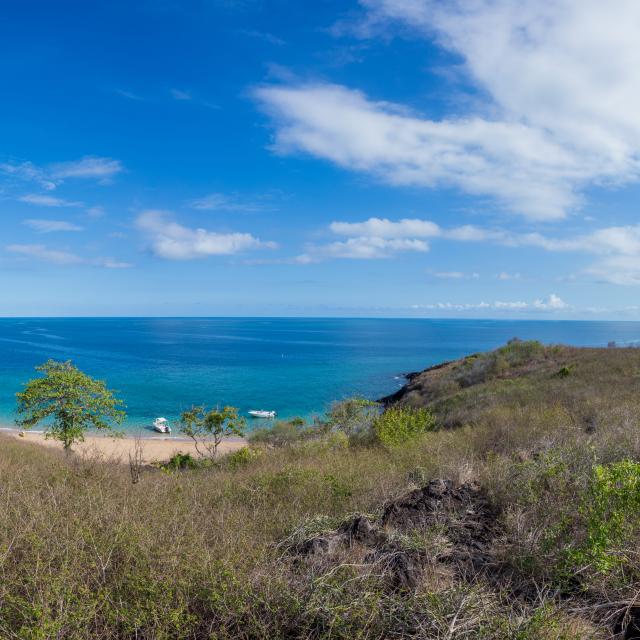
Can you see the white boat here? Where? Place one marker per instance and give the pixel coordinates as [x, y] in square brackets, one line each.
[260, 413]
[161, 425]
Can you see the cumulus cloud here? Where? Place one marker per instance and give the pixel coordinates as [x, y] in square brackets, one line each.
[558, 90]
[521, 166]
[617, 248]
[362, 248]
[385, 228]
[552, 303]
[49, 226]
[174, 241]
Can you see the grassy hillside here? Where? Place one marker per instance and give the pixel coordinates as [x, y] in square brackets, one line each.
[518, 517]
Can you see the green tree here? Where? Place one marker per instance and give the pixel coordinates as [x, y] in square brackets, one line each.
[70, 401]
[208, 427]
[354, 417]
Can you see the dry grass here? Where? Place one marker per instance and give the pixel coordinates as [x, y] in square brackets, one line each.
[85, 553]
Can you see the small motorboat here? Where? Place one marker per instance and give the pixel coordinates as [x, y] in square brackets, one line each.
[161, 425]
[260, 413]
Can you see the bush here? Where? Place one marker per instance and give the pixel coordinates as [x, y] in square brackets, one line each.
[397, 425]
[242, 457]
[285, 433]
[354, 417]
[612, 514]
[180, 461]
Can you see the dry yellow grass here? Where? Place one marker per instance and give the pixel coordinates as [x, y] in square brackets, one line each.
[84, 553]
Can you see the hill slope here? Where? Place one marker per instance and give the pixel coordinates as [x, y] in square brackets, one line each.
[518, 518]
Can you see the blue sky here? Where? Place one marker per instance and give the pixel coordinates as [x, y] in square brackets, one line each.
[365, 158]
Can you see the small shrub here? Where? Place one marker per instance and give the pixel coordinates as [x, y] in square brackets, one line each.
[564, 372]
[396, 426]
[339, 488]
[354, 417]
[286, 433]
[242, 457]
[612, 513]
[180, 461]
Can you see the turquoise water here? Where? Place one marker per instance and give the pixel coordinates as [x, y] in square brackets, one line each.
[294, 366]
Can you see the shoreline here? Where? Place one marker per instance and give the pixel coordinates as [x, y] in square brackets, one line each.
[154, 448]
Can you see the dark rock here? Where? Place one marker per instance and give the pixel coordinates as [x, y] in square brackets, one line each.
[362, 530]
[462, 511]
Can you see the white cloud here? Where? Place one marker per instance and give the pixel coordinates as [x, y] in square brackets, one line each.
[128, 94]
[48, 201]
[223, 202]
[617, 248]
[63, 258]
[559, 114]
[112, 263]
[384, 228]
[41, 252]
[95, 212]
[263, 35]
[49, 177]
[521, 166]
[456, 275]
[49, 226]
[362, 248]
[174, 241]
[28, 172]
[87, 167]
[177, 94]
[551, 304]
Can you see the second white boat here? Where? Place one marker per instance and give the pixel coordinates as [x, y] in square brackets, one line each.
[260, 413]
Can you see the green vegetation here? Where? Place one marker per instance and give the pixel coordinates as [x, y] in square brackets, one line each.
[398, 426]
[72, 400]
[180, 461]
[611, 512]
[285, 433]
[208, 427]
[538, 538]
[354, 417]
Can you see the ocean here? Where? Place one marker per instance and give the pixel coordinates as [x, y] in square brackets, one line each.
[297, 367]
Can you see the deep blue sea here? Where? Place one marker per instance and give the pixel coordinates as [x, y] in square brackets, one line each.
[294, 366]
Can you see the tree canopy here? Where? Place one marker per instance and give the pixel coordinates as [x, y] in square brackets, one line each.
[69, 402]
[207, 427]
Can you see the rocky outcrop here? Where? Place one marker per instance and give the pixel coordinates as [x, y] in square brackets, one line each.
[462, 512]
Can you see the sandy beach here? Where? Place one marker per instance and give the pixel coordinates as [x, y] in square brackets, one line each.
[154, 448]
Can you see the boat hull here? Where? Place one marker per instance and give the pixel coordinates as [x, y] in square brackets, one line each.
[262, 414]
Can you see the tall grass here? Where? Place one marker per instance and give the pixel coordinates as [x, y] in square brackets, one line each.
[85, 553]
